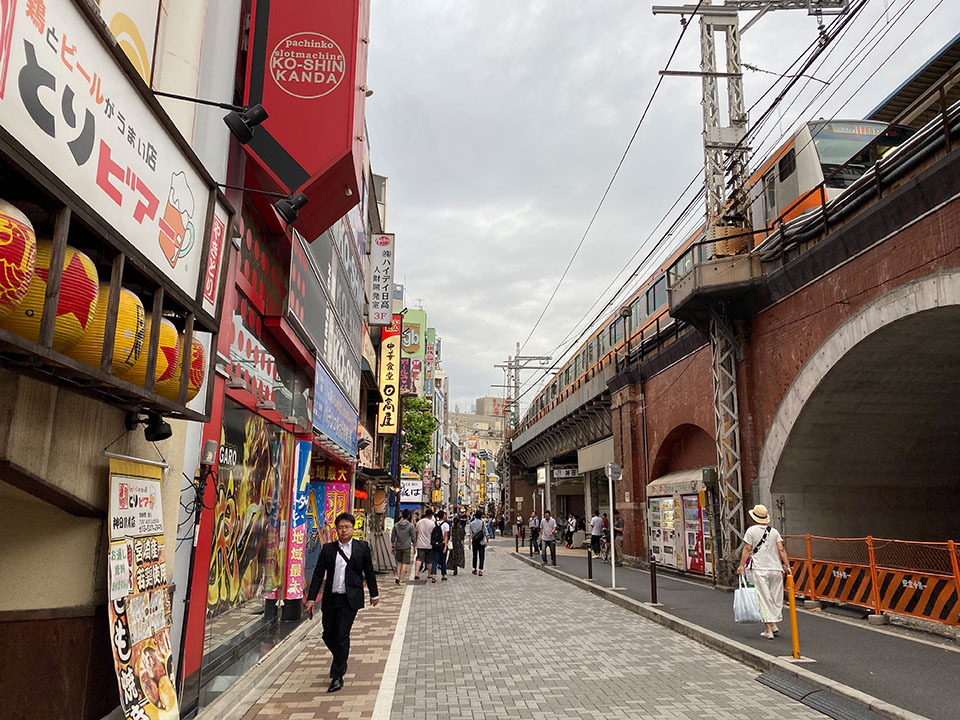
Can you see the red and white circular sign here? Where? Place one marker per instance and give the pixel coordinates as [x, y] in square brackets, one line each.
[307, 65]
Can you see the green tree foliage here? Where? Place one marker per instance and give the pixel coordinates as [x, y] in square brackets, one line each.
[418, 425]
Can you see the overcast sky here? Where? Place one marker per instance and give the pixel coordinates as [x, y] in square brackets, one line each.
[499, 124]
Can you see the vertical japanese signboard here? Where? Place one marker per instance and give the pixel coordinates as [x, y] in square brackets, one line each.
[296, 547]
[388, 416]
[429, 362]
[406, 379]
[139, 609]
[380, 284]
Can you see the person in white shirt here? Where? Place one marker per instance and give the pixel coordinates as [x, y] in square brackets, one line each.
[548, 535]
[534, 533]
[571, 529]
[596, 531]
[342, 568]
[424, 547]
[763, 548]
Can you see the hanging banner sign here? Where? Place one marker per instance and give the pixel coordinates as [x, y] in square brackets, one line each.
[388, 416]
[406, 379]
[380, 284]
[332, 414]
[429, 362]
[139, 608]
[411, 491]
[296, 546]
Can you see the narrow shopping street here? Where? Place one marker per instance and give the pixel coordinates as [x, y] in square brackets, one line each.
[515, 643]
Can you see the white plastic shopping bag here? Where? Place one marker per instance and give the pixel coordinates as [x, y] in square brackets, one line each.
[746, 603]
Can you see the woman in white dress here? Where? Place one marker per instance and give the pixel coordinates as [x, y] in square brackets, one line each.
[763, 548]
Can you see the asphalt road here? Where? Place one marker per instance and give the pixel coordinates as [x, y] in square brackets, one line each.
[917, 676]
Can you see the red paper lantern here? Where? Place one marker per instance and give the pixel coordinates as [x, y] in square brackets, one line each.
[18, 251]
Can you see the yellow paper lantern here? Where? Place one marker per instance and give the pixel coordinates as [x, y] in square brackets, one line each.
[77, 305]
[128, 341]
[171, 388]
[18, 254]
[168, 356]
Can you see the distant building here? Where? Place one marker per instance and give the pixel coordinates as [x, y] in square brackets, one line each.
[491, 406]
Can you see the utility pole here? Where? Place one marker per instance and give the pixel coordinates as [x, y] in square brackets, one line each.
[728, 221]
[512, 368]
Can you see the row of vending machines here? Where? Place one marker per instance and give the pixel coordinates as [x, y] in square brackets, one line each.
[679, 530]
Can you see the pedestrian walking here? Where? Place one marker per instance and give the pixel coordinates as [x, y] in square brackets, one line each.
[571, 529]
[548, 537]
[534, 526]
[402, 538]
[438, 542]
[521, 529]
[342, 567]
[596, 530]
[618, 526]
[424, 548]
[457, 534]
[763, 549]
[478, 539]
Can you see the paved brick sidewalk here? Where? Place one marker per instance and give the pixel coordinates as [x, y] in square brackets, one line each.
[300, 692]
[517, 643]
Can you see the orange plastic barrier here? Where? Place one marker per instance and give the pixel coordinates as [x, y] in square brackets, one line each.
[896, 576]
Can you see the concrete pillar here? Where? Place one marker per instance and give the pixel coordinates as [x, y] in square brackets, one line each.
[630, 493]
[588, 497]
[546, 488]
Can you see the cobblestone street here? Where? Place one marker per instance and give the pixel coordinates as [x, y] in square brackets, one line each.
[517, 643]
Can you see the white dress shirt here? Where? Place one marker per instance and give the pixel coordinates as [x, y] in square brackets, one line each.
[340, 568]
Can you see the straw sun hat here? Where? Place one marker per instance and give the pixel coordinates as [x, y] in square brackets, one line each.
[760, 514]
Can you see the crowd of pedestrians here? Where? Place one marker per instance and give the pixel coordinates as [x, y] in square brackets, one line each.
[440, 544]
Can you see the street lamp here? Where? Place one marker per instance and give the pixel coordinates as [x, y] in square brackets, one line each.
[626, 313]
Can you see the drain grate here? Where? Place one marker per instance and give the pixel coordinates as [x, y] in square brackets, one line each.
[824, 701]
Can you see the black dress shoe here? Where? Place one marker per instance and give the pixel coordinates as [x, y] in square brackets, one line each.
[335, 684]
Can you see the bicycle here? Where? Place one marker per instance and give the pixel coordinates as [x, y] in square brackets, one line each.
[604, 548]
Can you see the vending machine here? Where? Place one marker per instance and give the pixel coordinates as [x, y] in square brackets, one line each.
[678, 522]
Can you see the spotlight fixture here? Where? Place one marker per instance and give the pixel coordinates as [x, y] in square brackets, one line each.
[362, 443]
[367, 93]
[243, 124]
[236, 383]
[289, 207]
[266, 406]
[155, 428]
[209, 456]
[288, 420]
[241, 120]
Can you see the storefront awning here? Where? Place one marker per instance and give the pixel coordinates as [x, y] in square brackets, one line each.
[682, 482]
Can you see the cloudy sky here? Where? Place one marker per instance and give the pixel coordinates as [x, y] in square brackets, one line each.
[500, 122]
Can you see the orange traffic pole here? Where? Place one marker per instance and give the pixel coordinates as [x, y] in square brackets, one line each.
[873, 576]
[793, 617]
[810, 583]
[952, 547]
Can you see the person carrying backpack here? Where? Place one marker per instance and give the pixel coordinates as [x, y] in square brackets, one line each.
[477, 530]
[438, 541]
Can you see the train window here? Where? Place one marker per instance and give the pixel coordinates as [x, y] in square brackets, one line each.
[636, 313]
[682, 266]
[787, 164]
[583, 362]
[601, 344]
[576, 366]
[770, 195]
[567, 376]
[657, 295]
[590, 353]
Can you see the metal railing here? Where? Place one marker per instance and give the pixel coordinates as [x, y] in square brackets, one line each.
[919, 579]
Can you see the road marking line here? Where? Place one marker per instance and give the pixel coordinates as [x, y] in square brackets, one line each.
[388, 684]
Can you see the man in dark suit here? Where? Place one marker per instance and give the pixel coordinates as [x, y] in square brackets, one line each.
[341, 568]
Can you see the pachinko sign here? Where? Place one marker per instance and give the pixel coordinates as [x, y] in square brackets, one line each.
[139, 609]
[65, 98]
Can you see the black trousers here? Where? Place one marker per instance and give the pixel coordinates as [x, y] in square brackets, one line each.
[338, 619]
[478, 552]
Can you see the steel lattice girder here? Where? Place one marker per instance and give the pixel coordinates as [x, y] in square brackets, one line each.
[723, 347]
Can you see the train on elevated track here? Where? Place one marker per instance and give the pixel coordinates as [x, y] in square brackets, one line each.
[816, 164]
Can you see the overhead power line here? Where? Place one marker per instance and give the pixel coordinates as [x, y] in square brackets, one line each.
[609, 185]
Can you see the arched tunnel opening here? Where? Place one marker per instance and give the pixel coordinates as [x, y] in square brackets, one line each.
[875, 449]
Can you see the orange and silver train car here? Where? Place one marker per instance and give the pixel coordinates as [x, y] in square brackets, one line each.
[783, 187]
[836, 151]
